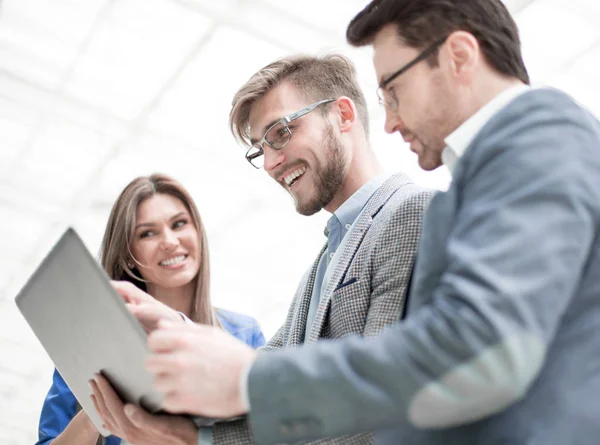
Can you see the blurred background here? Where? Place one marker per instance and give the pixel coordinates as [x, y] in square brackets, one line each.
[96, 92]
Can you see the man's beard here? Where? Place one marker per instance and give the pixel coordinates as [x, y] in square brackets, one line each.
[329, 176]
[443, 119]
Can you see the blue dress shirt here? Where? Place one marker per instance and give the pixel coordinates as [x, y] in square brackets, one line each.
[60, 404]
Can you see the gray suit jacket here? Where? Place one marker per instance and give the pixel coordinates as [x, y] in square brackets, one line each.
[366, 291]
[501, 344]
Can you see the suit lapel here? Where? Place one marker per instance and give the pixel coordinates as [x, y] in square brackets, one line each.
[355, 238]
[298, 327]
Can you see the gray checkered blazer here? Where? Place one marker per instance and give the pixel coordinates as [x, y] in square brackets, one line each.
[365, 292]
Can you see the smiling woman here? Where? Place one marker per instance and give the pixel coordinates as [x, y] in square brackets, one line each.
[152, 224]
[154, 239]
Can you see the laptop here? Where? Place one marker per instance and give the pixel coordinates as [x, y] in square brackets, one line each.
[85, 328]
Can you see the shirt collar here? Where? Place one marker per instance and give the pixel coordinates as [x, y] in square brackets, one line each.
[458, 141]
[347, 213]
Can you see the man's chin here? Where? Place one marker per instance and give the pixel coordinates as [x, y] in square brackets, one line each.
[429, 164]
[307, 211]
[306, 208]
[429, 167]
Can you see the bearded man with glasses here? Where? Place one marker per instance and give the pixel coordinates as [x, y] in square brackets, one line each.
[304, 120]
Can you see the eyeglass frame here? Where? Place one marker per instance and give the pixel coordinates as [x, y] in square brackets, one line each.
[285, 121]
[381, 89]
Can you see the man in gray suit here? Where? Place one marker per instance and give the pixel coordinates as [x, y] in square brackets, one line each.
[501, 343]
[305, 120]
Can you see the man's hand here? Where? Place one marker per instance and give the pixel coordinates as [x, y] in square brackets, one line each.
[199, 369]
[148, 310]
[135, 425]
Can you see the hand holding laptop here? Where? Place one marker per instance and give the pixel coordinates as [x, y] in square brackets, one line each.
[134, 424]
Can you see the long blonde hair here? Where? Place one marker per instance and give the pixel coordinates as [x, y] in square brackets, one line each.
[115, 252]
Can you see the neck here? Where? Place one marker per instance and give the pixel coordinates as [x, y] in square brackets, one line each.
[484, 93]
[363, 167]
[178, 298]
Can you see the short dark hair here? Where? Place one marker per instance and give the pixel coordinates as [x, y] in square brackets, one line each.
[422, 22]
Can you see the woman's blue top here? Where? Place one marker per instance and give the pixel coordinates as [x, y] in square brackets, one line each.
[60, 404]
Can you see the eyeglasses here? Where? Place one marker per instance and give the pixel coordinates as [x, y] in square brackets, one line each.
[278, 135]
[386, 98]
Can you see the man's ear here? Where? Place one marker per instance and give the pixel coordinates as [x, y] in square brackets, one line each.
[345, 113]
[464, 53]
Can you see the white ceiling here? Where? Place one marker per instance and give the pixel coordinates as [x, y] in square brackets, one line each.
[96, 92]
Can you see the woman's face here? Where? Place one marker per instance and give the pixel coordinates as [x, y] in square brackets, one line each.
[165, 243]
